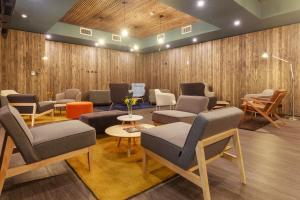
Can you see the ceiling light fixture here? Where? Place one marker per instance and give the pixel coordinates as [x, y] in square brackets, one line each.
[237, 22]
[96, 44]
[136, 47]
[168, 46]
[151, 13]
[45, 58]
[124, 31]
[131, 49]
[195, 39]
[101, 42]
[24, 16]
[48, 36]
[200, 3]
[161, 35]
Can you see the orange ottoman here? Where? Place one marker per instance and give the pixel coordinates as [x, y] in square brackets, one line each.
[75, 109]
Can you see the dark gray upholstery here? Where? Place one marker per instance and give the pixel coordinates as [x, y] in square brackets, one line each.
[118, 92]
[171, 116]
[48, 140]
[197, 89]
[176, 142]
[192, 104]
[187, 109]
[62, 137]
[102, 120]
[99, 97]
[29, 98]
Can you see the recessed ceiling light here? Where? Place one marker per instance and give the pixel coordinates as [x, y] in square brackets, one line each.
[48, 36]
[124, 32]
[45, 58]
[200, 3]
[101, 42]
[237, 22]
[96, 44]
[131, 49]
[24, 16]
[160, 41]
[168, 46]
[151, 13]
[195, 39]
[265, 55]
[136, 47]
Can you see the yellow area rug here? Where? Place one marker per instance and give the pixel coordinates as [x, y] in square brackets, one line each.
[116, 176]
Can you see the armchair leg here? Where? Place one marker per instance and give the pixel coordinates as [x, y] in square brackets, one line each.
[203, 171]
[240, 161]
[90, 159]
[111, 106]
[6, 153]
[32, 119]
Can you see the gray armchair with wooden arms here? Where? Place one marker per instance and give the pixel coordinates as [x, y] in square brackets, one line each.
[43, 145]
[70, 95]
[185, 148]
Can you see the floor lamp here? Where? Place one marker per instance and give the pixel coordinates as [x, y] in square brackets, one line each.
[266, 56]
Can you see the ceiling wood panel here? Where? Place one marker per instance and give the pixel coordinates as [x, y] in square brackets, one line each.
[108, 15]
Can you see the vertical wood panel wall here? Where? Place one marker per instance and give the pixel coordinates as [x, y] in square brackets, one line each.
[232, 66]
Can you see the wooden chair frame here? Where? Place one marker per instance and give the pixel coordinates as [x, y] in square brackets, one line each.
[271, 111]
[7, 151]
[201, 180]
[33, 115]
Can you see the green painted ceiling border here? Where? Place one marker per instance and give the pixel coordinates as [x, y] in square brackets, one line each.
[72, 31]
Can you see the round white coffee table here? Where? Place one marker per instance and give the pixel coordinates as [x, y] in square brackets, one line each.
[131, 119]
[119, 132]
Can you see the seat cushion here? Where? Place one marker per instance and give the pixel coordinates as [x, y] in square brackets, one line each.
[171, 116]
[59, 138]
[166, 140]
[65, 101]
[45, 106]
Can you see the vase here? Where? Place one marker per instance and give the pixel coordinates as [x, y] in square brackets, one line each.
[129, 111]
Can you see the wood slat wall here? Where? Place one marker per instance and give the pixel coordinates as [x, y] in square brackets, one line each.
[232, 66]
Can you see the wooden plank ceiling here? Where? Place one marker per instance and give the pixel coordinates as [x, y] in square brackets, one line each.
[108, 15]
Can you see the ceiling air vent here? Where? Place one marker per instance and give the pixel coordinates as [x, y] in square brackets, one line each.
[86, 31]
[186, 29]
[116, 38]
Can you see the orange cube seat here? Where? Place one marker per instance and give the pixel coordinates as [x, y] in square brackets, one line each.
[75, 109]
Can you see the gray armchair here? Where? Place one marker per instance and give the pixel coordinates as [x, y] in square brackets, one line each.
[118, 93]
[28, 104]
[42, 145]
[70, 95]
[185, 148]
[186, 110]
[199, 89]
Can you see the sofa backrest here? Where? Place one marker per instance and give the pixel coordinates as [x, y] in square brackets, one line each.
[192, 89]
[71, 93]
[192, 104]
[118, 92]
[17, 129]
[206, 125]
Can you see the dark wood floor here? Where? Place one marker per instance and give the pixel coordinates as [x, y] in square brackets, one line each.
[272, 165]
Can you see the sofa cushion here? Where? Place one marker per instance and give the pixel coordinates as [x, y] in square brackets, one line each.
[166, 140]
[171, 116]
[59, 138]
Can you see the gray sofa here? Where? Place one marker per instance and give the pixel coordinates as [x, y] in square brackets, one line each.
[186, 110]
[185, 148]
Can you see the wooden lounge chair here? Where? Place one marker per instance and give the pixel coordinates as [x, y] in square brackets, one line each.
[43, 145]
[266, 107]
[178, 145]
